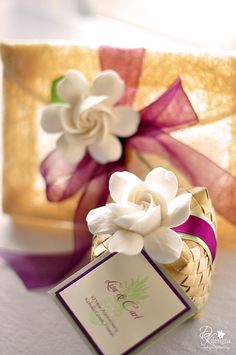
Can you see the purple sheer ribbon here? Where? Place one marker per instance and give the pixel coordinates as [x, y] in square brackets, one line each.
[169, 112]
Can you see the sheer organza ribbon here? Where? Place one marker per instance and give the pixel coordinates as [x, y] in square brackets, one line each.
[169, 112]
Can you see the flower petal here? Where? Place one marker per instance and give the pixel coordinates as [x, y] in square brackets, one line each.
[163, 181]
[69, 150]
[72, 86]
[90, 102]
[51, 119]
[150, 220]
[120, 184]
[67, 121]
[178, 210]
[128, 220]
[163, 245]
[125, 121]
[126, 242]
[121, 209]
[110, 84]
[110, 149]
[100, 221]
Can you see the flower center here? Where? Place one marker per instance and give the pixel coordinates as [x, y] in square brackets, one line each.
[92, 124]
[145, 197]
[89, 119]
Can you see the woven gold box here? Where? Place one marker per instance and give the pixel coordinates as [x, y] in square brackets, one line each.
[194, 269]
[29, 69]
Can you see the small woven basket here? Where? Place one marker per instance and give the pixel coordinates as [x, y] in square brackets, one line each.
[194, 269]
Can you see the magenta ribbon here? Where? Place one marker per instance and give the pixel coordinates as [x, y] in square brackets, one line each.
[198, 227]
[170, 112]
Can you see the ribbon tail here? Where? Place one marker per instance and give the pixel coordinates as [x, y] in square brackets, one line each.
[198, 168]
[44, 270]
[62, 178]
[94, 196]
[38, 270]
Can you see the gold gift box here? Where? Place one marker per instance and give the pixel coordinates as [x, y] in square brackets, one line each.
[29, 69]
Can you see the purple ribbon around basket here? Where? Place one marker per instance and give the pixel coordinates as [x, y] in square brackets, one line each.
[198, 227]
[170, 112]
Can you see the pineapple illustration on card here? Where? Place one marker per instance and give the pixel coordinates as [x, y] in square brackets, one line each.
[123, 297]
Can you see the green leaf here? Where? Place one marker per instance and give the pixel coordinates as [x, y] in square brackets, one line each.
[54, 97]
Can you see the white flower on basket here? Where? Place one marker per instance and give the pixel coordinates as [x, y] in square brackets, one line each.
[143, 214]
[88, 118]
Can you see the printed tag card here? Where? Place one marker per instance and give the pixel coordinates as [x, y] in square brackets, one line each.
[119, 304]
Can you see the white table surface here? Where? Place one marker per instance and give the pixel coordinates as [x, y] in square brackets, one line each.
[30, 323]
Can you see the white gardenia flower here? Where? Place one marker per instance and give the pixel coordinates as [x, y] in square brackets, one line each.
[143, 214]
[88, 119]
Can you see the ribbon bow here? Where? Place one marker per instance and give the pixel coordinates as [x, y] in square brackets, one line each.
[169, 112]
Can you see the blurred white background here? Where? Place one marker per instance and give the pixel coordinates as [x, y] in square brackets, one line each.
[150, 23]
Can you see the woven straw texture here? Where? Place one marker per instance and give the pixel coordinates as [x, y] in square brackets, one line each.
[193, 270]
